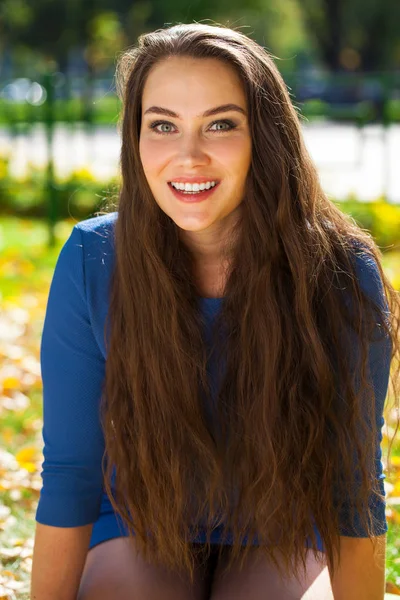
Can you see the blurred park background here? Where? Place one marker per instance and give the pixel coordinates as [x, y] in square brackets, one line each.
[59, 153]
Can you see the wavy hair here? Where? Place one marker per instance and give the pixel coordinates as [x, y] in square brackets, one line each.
[293, 440]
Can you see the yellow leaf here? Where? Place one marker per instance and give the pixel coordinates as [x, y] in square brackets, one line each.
[11, 383]
[391, 588]
[8, 574]
[30, 467]
[25, 267]
[27, 458]
[26, 454]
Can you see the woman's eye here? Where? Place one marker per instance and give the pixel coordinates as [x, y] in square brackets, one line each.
[230, 124]
[157, 124]
[154, 126]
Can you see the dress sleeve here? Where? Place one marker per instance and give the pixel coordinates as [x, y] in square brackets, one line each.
[379, 358]
[72, 368]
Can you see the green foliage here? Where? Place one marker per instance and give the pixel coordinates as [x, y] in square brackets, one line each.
[361, 112]
[380, 218]
[77, 196]
[393, 111]
[105, 111]
[355, 34]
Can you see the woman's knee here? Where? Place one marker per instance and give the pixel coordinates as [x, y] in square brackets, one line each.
[260, 580]
[114, 570]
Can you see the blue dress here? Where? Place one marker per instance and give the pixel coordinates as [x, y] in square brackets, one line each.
[73, 356]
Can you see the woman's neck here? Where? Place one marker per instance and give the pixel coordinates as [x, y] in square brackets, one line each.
[210, 280]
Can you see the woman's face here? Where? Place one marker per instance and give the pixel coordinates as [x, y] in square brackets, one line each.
[187, 144]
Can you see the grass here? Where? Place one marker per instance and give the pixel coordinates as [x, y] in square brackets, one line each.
[26, 267]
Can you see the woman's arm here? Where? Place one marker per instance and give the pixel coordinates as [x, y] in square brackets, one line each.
[361, 575]
[58, 559]
[72, 368]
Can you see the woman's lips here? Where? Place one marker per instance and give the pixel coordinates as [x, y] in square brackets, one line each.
[191, 198]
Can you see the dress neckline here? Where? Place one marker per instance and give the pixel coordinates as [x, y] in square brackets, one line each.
[210, 300]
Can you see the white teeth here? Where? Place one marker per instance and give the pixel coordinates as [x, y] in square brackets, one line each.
[193, 187]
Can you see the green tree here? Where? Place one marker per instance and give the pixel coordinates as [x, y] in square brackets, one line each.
[51, 27]
[354, 34]
[47, 27]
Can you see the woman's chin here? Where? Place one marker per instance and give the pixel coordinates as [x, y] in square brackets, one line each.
[192, 225]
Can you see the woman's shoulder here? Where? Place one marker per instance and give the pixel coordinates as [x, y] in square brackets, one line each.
[98, 256]
[101, 226]
[367, 271]
[97, 238]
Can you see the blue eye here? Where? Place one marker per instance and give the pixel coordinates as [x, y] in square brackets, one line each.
[155, 124]
[231, 125]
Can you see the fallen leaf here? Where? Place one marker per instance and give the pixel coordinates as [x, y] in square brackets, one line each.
[27, 458]
[391, 588]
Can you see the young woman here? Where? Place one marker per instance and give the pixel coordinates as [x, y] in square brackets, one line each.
[215, 354]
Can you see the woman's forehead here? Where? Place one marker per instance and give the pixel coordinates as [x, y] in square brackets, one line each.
[192, 86]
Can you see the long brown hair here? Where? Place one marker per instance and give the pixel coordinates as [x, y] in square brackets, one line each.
[295, 426]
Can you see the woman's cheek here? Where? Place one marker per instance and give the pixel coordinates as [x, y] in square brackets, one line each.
[233, 151]
[152, 152]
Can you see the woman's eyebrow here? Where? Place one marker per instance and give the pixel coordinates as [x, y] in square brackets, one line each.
[208, 113]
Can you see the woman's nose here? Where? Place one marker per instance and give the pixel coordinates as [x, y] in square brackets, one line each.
[192, 150]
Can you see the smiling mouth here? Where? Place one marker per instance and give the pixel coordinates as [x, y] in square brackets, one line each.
[194, 193]
[193, 197]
